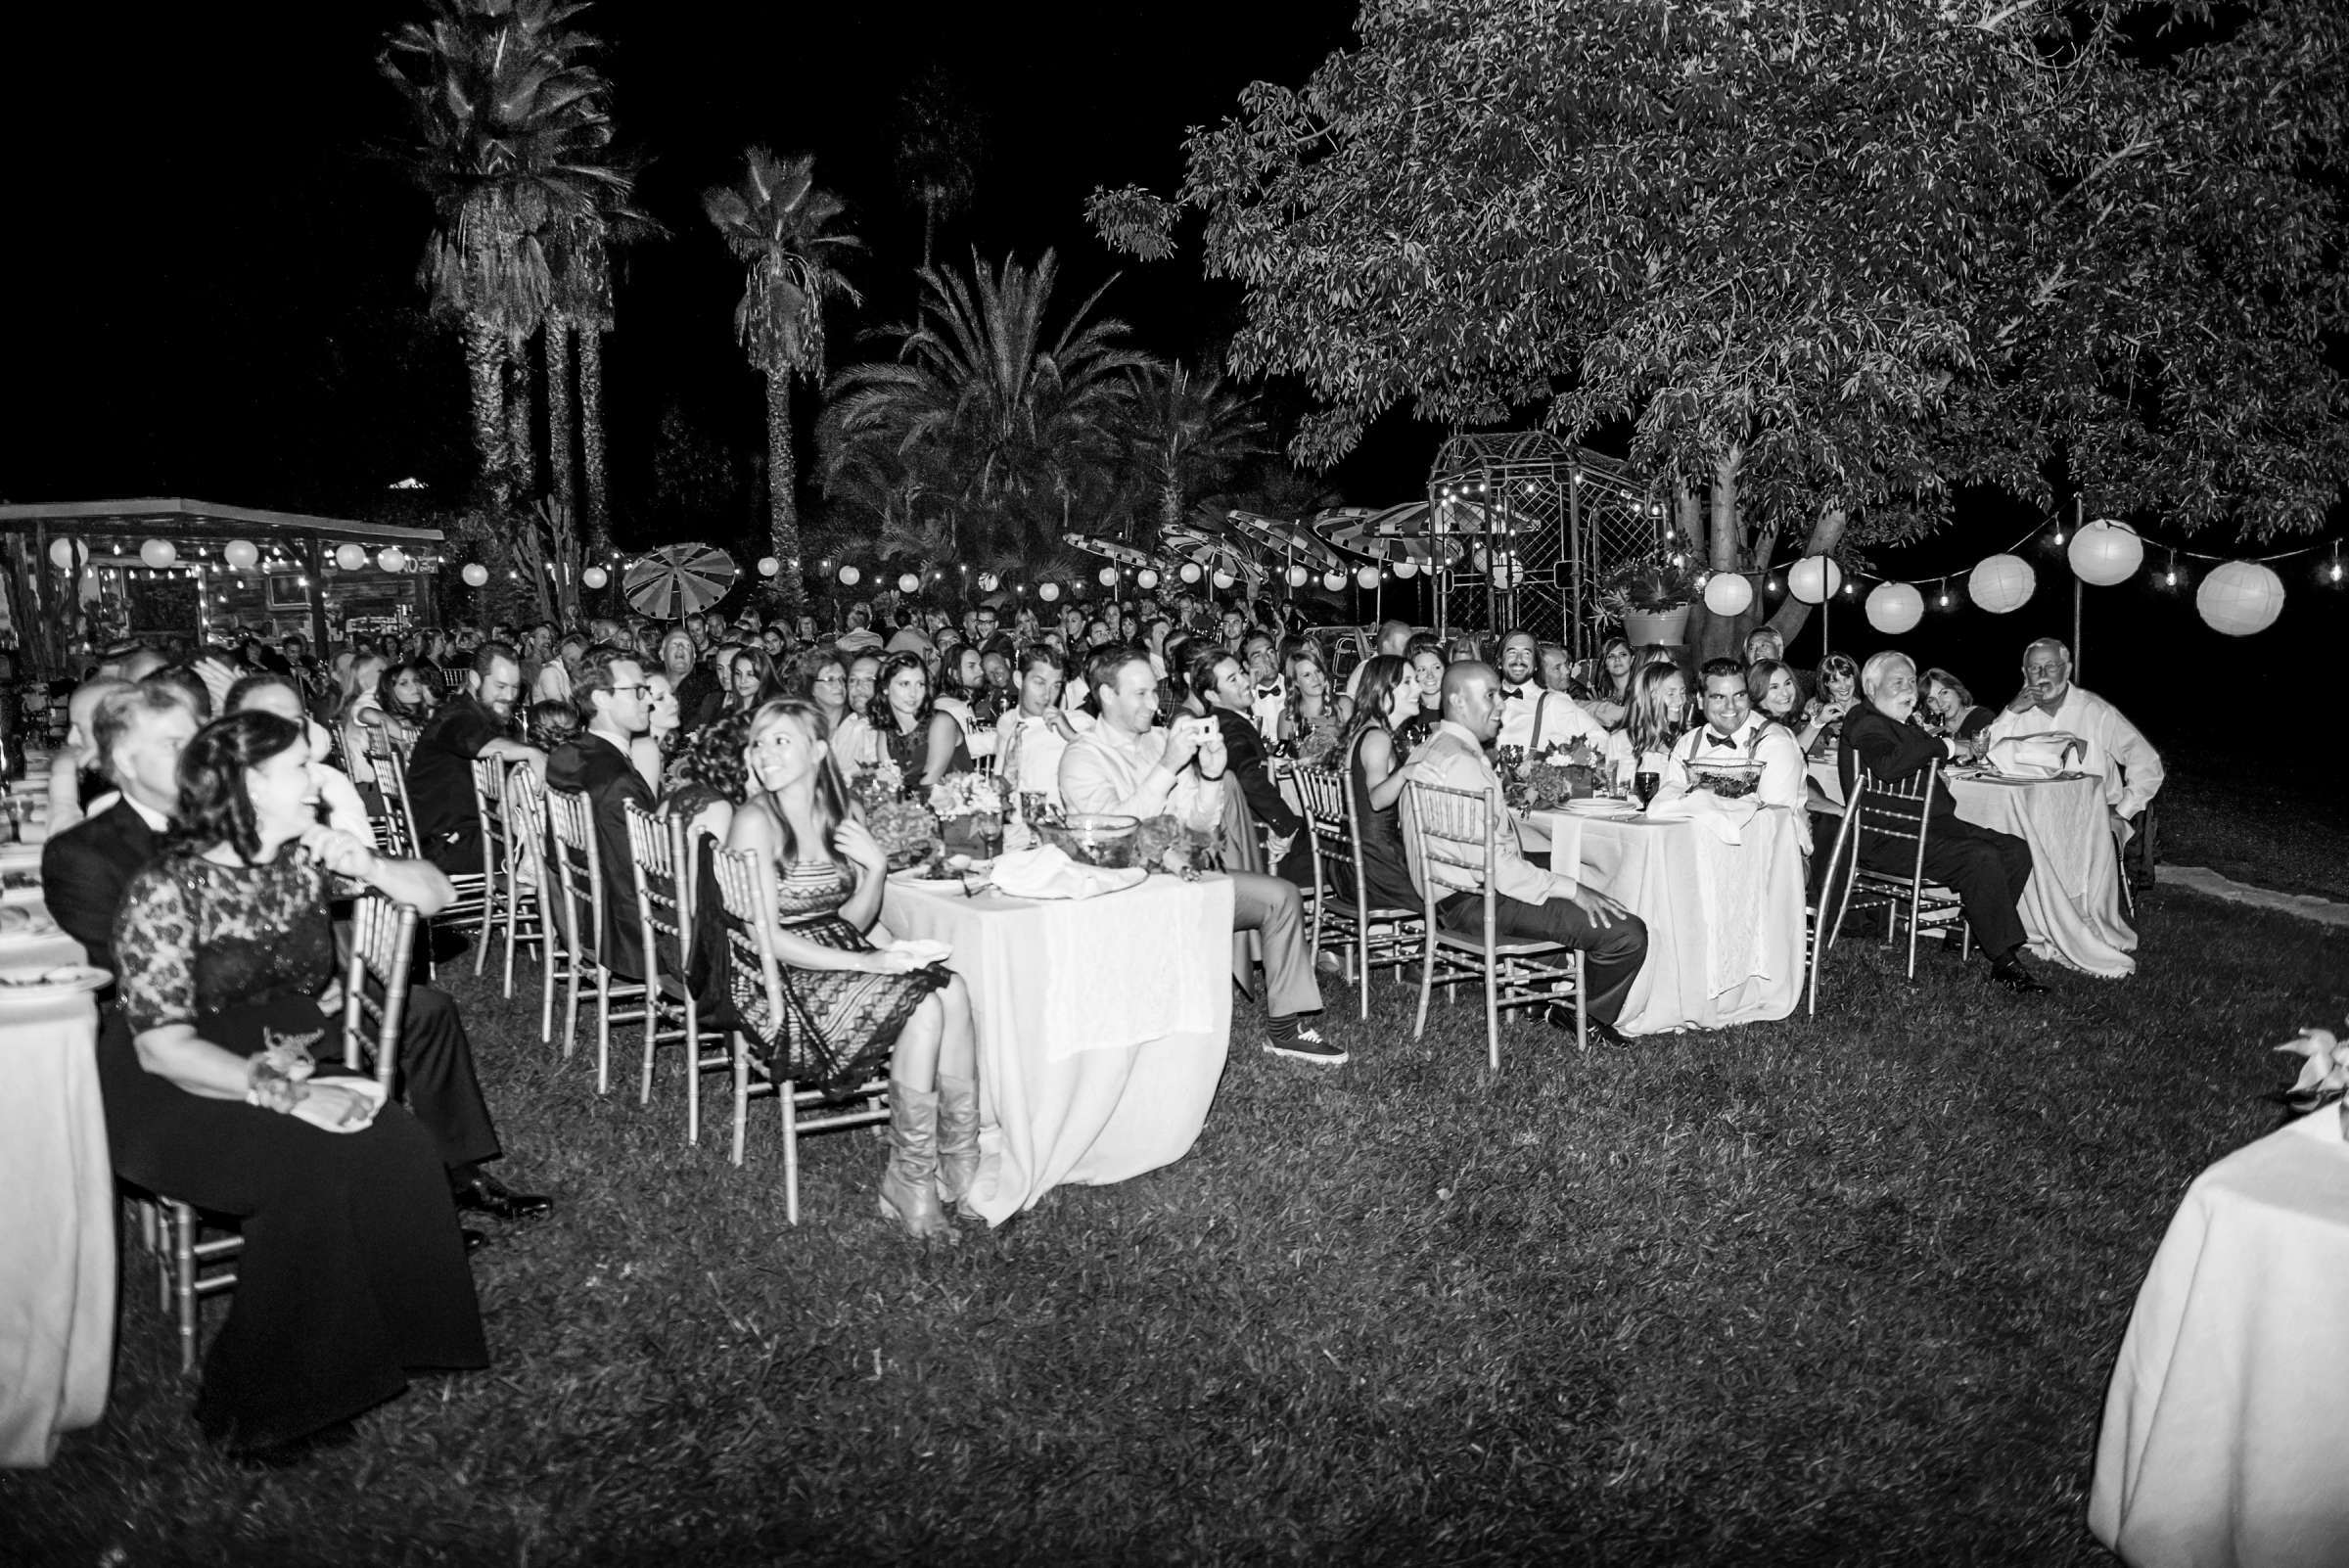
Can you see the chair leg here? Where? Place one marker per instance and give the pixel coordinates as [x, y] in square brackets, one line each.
[742, 1090]
[1581, 1003]
[789, 1093]
[1361, 960]
[1491, 1014]
[571, 977]
[693, 1071]
[1427, 980]
[183, 1282]
[652, 1037]
[603, 1029]
[1913, 924]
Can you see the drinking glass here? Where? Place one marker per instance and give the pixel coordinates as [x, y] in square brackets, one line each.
[1646, 783]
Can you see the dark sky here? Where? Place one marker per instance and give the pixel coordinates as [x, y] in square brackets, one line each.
[211, 275]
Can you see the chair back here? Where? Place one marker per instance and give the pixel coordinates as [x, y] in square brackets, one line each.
[489, 806]
[1894, 808]
[578, 872]
[664, 908]
[375, 983]
[522, 809]
[1337, 869]
[392, 777]
[746, 892]
[1450, 840]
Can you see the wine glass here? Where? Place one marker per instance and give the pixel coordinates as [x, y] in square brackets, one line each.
[1645, 783]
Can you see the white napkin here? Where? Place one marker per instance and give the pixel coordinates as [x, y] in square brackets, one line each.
[922, 948]
[2033, 756]
[1048, 872]
[365, 1088]
[1726, 820]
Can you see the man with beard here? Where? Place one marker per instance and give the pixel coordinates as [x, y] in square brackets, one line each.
[473, 724]
[1529, 716]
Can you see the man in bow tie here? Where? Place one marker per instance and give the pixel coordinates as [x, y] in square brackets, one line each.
[1269, 694]
[1531, 716]
[1734, 733]
[2049, 704]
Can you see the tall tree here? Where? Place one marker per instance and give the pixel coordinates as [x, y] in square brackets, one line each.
[777, 221]
[1826, 263]
[991, 432]
[1187, 431]
[938, 149]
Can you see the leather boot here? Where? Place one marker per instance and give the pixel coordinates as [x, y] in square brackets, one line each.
[957, 1137]
[909, 1185]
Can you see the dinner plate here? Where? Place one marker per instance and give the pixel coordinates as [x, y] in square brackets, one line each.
[1588, 806]
[914, 876]
[47, 984]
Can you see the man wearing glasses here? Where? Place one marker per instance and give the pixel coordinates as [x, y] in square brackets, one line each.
[2050, 705]
[612, 700]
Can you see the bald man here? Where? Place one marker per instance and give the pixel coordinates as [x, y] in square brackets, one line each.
[2050, 705]
[76, 766]
[1533, 904]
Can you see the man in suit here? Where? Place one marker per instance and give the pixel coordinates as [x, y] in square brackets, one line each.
[614, 701]
[440, 769]
[1985, 868]
[1531, 905]
[1225, 687]
[139, 732]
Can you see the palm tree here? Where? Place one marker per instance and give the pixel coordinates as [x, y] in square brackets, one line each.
[1187, 433]
[776, 223]
[938, 147]
[989, 433]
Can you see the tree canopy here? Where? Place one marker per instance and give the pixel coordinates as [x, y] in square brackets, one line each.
[1843, 255]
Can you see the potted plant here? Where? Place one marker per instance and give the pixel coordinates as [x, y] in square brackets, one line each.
[1650, 595]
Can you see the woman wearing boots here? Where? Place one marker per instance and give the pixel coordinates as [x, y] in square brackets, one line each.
[851, 1004]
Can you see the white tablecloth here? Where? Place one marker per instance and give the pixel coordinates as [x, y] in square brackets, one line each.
[1090, 1069]
[2071, 908]
[1724, 922]
[2226, 1425]
[57, 1217]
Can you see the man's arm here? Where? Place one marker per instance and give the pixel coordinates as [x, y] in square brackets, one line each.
[1247, 753]
[2124, 742]
[1782, 771]
[1893, 751]
[83, 889]
[1447, 763]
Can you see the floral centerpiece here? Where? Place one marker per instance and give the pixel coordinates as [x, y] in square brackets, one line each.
[1545, 779]
[969, 808]
[905, 829]
[2324, 1076]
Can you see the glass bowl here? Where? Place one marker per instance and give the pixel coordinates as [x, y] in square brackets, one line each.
[1094, 838]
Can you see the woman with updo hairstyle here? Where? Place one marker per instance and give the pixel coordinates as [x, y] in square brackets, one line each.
[218, 1068]
[851, 1006]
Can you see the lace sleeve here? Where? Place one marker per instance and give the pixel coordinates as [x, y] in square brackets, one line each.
[155, 947]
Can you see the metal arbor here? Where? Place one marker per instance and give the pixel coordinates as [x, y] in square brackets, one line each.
[1537, 523]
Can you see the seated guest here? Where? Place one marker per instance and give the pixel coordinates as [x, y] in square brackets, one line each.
[2049, 704]
[1308, 722]
[1384, 700]
[964, 694]
[1259, 656]
[1611, 701]
[1985, 868]
[753, 679]
[338, 799]
[440, 769]
[74, 776]
[821, 677]
[550, 723]
[909, 728]
[1531, 716]
[1031, 735]
[689, 677]
[1128, 765]
[1765, 643]
[1394, 638]
[1426, 659]
[353, 1275]
[1659, 717]
[861, 637]
[1838, 687]
[1225, 693]
[1950, 707]
[1776, 695]
[555, 675]
[652, 750]
[610, 694]
[410, 693]
[1734, 731]
[1531, 905]
[855, 1004]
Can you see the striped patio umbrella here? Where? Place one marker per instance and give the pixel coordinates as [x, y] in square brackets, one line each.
[1212, 553]
[676, 580]
[1282, 544]
[1109, 550]
[1396, 533]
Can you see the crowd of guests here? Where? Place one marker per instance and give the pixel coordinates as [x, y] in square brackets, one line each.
[208, 805]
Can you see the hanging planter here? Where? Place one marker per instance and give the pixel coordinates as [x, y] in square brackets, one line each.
[1667, 628]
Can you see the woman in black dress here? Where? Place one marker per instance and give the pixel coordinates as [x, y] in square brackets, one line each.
[1385, 697]
[354, 1271]
[924, 742]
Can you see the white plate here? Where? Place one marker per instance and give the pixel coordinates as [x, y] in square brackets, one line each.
[1587, 807]
[47, 984]
[914, 876]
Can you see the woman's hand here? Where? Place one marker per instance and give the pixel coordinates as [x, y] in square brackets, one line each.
[856, 842]
[333, 1105]
[892, 961]
[346, 854]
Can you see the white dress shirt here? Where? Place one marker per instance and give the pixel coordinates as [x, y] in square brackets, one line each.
[1266, 705]
[1454, 759]
[1106, 773]
[1027, 753]
[2131, 766]
[1757, 739]
[1561, 717]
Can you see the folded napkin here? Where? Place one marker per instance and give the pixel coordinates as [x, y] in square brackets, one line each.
[1048, 872]
[2034, 756]
[366, 1088]
[1726, 820]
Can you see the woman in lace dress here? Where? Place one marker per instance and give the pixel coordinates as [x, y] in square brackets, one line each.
[851, 1006]
[354, 1271]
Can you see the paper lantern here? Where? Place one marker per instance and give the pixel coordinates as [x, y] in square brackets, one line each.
[241, 555]
[2104, 552]
[1365, 576]
[1047, 591]
[1190, 572]
[910, 582]
[2239, 598]
[1145, 578]
[989, 582]
[475, 575]
[1727, 593]
[768, 566]
[67, 554]
[158, 553]
[1407, 568]
[1109, 576]
[1296, 575]
[1814, 579]
[849, 577]
[1894, 608]
[1223, 578]
[595, 576]
[350, 557]
[2000, 583]
[392, 558]
[1334, 580]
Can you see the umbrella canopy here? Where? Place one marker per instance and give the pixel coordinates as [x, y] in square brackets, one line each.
[1109, 549]
[1396, 534]
[1211, 554]
[1284, 543]
[677, 579]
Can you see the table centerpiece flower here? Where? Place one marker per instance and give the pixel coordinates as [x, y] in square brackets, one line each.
[969, 808]
[2323, 1077]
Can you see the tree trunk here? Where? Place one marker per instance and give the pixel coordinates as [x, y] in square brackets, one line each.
[1825, 534]
[782, 487]
[598, 544]
[561, 469]
[522, 448]
[485, 369]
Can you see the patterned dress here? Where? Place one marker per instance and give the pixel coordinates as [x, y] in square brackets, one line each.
[838, 1025]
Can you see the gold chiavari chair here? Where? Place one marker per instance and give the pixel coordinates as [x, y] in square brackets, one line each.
[1341, 902]
[585, 928]
[663, 874]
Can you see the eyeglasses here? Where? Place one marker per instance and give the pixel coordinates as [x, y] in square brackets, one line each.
[831, 680]
[640, 685]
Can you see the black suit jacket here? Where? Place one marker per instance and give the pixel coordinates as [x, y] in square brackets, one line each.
[594, 765]
[1892, 752]
[85, 871]
[1244, 751]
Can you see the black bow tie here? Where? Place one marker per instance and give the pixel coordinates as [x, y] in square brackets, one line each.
[1268, 691]
[1513, 693]
[1712, 739]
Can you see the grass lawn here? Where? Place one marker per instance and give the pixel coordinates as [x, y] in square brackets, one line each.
[1843, 1290]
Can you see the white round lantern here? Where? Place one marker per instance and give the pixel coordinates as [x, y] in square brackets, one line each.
[1894, 608]
[158, 553]
[67, 554]
[1365, 576]
[392, 558]
[910, 582]
[1505, 573]
[1047, 591]
[2104, 552]
[1108, 576]
[1334, 580]
[1191, 572]
[1814, 579]
[769, 566]
[350, 557]
[595, 576]
[989, 582]
[1727, 593]
[2001, 583]
[1223, 578]
[849, 577]
[240, 555]
[476, 574]
[1407, 568]
[1145, 578]
[2239, 598]
[1296, 575]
